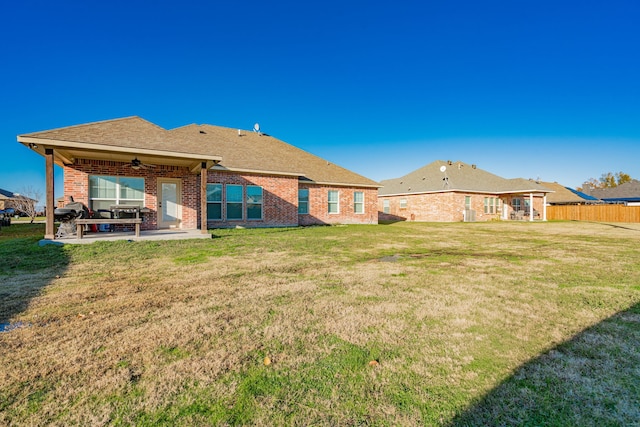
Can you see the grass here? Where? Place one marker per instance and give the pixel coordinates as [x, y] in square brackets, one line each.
[404, 324]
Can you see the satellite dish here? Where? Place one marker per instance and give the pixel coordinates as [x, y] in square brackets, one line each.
[256, 127]
[443, 168]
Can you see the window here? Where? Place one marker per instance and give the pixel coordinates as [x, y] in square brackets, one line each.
[105, 191]
[234, 201]
[385, 206]
[491, 205]
[334, 201]
[254, 202]
[467, 202]
[403, 203]
[358, 202]
[517, 204]
[303, 201]
[214, 201]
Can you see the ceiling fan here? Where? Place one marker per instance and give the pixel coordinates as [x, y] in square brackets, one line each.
[137, 164]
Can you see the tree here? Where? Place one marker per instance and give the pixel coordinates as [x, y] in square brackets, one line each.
[622, 177]
[607, 180]
[25, 202]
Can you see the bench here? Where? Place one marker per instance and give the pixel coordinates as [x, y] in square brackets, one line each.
[84, 221]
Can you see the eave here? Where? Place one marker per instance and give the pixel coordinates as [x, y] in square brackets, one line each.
[66, 152]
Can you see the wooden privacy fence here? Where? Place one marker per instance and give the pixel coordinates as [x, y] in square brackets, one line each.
[608, 213]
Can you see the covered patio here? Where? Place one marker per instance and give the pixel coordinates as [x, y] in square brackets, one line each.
[160, 163]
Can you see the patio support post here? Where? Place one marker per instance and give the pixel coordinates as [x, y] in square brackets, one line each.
[544, 207]
[203, 198]
[530, 206]
[49, 227]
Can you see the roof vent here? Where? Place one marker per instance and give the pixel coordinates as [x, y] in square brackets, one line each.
[449, 162]
[240, 132]
[473, 167]
[459, 165]
[201, 131]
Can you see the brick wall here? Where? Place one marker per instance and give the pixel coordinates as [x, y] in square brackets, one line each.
[445, 207]
[319, 206]
[280, 196]
[76, 184]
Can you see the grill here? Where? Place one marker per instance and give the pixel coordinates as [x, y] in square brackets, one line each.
[67, 217]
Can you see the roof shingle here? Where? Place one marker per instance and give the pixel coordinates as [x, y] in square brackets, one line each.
[249, 152]
[457, 176]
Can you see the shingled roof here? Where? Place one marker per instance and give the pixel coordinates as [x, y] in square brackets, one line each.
[456, 176]
[564, 195]
[252, 151]
[246, 151]
[629, 191]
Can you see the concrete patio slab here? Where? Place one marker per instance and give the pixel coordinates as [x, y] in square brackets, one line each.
[170, 234]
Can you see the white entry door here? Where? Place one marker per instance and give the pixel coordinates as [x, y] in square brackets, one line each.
[169, 207]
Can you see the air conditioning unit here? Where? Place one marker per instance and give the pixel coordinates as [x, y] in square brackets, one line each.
[469, 215]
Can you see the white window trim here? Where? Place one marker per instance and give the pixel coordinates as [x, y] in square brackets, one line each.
[118, 200]
[358, 203]
[337, 203]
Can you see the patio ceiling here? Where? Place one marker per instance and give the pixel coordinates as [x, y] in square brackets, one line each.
[66, 152]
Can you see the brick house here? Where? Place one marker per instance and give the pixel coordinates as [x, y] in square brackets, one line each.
[200, 176]
[446, 191]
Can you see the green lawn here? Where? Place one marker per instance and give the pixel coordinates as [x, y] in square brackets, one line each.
[461, 324]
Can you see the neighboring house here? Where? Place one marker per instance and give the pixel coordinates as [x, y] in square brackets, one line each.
[456, 191]
[9, 200]
[567, 196]
[627, 193]
[201, 176]
[6, 199]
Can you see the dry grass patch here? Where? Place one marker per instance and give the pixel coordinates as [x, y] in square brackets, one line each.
[408, 324]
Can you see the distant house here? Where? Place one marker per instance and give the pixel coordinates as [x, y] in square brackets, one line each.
[627, 193]
[567, 196]
[200, 176]
[16, 201]
[447, 191]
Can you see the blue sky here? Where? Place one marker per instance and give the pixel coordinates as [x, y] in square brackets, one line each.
[531, 89]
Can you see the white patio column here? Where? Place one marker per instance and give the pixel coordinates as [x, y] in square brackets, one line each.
[544, 207]
[530, 206]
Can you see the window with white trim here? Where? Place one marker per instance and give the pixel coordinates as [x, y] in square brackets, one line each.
[105, 191]
[403, 203]
[234, 201]
[334, 201]
[386, 206]
[491, 205]
[254, 202]
[303, 201]
[214, 202]
[358, 202]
